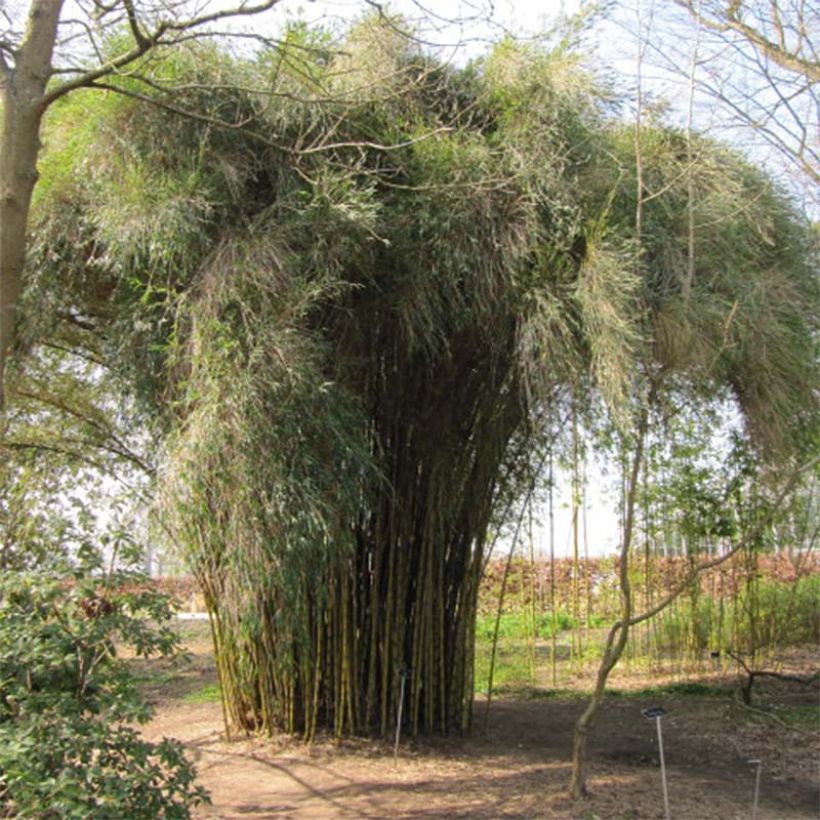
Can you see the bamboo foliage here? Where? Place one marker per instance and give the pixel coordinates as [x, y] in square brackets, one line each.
[344, 323]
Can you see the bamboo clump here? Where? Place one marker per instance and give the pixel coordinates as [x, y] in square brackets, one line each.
[353, 317]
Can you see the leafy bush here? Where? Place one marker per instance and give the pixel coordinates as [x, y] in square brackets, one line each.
[68, 702]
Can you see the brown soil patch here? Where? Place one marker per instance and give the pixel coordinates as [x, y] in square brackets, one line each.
[518, 767]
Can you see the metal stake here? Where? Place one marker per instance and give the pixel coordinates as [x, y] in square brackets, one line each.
[759, 765]
[666, 813]
[403, 676]
[656, 713]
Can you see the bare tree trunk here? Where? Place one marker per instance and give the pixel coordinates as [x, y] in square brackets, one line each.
[553, 613]
[23, 90]
[618, 634]
[690, 160]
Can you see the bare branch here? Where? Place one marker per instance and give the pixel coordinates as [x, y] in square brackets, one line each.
[241, 125]
[242, 10]
[165, 33]
[139, 38]
[802, 155]
[739, 545]
[85, 31]
[374, 145]
[730, 21]
[774, 106]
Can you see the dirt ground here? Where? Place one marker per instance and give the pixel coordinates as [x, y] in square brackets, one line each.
[518, 767]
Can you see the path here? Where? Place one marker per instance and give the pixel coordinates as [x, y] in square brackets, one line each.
[517, 769]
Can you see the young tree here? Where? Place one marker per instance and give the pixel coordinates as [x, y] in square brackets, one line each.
[675, 189]
[713, 515]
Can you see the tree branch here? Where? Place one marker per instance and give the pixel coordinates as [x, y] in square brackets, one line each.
[62, 451]
[730, 21]
[242, 10]
[133, 23]
[765, 673]
[164, 34]
[700, 568]
[241, 125]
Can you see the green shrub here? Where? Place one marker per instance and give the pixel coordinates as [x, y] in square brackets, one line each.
[516, 625]
[68, 702]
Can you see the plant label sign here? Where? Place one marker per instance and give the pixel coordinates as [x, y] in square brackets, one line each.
[656, 713]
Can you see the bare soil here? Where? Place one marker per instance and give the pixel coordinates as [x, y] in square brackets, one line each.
[516, 767]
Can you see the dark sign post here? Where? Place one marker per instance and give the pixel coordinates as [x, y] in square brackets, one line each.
[759, 765]
[656, 713]
[403, 675]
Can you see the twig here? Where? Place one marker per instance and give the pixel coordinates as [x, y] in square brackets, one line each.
[755, 711]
